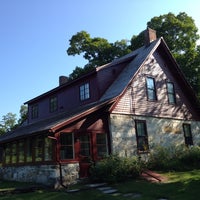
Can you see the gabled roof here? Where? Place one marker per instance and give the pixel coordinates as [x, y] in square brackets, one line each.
[136, 59]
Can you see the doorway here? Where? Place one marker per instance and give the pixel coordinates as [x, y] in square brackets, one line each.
[85, 154]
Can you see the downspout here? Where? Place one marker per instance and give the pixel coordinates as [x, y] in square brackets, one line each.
[58, 161]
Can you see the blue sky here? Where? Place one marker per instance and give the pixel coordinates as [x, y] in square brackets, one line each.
[34, 36]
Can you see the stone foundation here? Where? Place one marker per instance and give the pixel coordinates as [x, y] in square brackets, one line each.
[44, 174]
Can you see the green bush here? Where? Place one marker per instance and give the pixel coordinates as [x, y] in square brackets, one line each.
[174, 158]
[191, 158]
[114, 168]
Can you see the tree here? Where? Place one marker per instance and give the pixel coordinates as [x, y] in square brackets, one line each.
[23, 114]
[180, 34]
[97, 51]
[8, 123]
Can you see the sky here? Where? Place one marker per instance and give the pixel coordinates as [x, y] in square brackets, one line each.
[35, 34]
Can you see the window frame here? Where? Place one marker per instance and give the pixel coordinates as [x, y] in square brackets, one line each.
[171, 93]
[84, 91]
[66, 145]
[99, 145]
[28, 156]
[34, 111]
[143, 137]
[150, 90]
[53, 104]
[188, 139]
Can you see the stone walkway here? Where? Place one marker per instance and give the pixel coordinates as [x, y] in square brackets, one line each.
[104, 188]
[114, 192]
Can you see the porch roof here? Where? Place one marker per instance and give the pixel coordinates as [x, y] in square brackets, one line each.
[52, 124]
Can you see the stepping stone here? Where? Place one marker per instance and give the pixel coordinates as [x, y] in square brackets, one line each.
[75, 190]
[162, 199]
[104, 188]
[133, 195]
[115, 194]
[110, 191]
[95, 185]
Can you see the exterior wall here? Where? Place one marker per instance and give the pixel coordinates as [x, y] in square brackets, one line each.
[68, 95]
[161, 131]
[134, 100]
[68, 98]
[45, 174]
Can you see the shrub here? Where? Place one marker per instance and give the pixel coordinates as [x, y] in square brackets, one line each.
[191, 158]
[174, 158]
[114, 168]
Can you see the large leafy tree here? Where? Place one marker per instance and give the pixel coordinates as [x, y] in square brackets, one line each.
[97, 51]
[181, 35]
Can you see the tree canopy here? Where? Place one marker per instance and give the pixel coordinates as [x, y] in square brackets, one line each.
[179, 32]
[9, 121]
[97, 51]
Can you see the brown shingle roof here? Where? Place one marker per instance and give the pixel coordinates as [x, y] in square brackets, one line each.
[53, 123]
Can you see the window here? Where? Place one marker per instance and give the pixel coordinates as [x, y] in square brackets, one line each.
[8, 153]
[29, 150]
[53, 104]
[101, 141]
[48, 149]
[14, 153]
[66, 146]
[141, 135]
[187, 134]
[151, 89]
[84, 145]
[84, 92]
[171, 93]
[39, 141]
[21, 152]
[34, 111]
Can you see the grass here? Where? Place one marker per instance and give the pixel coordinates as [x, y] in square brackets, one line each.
[180, 186]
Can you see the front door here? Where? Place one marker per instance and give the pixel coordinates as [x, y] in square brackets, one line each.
[85, 154]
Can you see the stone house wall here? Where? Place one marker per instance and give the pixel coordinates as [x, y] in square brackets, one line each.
[44, 174]
[161, 131]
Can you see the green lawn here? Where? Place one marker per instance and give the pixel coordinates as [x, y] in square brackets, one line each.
[180, 186]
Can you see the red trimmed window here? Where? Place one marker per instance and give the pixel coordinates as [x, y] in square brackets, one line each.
[66, 146]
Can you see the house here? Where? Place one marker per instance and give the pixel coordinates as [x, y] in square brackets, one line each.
[126, 107]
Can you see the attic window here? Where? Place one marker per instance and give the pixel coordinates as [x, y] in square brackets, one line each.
[171, 93]
[84, 91]
[151, 89]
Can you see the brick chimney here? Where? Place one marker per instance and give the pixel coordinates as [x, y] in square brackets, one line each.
[149, 35]
[63, 80]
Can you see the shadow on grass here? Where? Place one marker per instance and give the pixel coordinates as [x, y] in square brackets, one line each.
[181, 186]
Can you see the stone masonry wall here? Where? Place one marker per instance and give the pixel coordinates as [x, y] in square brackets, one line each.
[160, 132]
[45, 174]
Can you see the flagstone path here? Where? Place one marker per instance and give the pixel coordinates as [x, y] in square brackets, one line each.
[147, 175]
